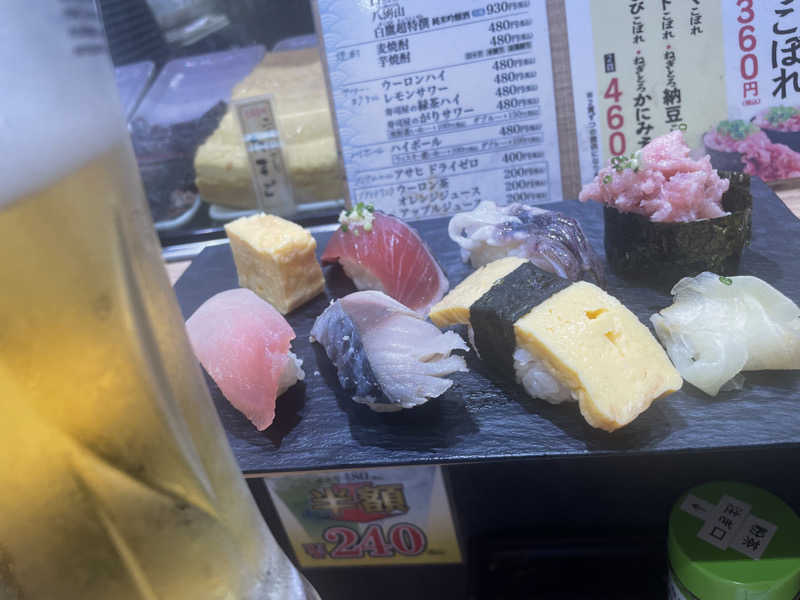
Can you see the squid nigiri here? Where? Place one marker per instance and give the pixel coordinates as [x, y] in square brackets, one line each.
[719, 326]
[244, 345]
[385, 353]
[550, 240]
[380, 252]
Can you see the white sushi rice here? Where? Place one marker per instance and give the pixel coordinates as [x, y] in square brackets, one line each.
[291, 374]
[533, 374]
[536, 378]
[471, 338]
[381, 407]
[360, 275]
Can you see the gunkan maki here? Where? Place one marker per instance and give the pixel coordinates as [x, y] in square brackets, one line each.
[669, 216]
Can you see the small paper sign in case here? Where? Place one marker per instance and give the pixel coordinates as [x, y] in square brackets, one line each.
[267, 165]
[367, 517]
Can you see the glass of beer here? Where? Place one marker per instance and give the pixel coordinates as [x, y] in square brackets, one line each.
[116, 480]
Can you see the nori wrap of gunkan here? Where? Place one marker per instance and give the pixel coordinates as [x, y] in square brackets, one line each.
[668, 215]
[638, 248]
[493, 315]
[561, 340]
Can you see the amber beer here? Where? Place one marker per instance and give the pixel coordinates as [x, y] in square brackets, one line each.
[116, 480]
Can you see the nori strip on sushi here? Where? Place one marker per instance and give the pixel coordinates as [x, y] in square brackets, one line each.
[493, 315]
[637, 248]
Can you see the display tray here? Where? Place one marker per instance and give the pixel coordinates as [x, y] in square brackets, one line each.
[318, 426]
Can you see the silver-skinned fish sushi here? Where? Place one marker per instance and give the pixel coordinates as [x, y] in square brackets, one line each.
[719, 326]
[552, 241]
[386, 354]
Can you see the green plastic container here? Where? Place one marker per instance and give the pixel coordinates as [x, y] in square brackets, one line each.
[733, 541]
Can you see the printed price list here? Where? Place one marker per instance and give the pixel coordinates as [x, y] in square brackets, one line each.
[442, 105]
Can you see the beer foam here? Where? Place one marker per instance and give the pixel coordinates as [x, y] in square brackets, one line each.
[59, 106]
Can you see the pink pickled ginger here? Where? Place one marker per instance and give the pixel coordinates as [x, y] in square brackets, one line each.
[243, 344]
[667, 186]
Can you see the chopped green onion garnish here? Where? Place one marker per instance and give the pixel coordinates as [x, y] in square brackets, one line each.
[778, 114]
[370, 208]
[620, 163]
[683, 126]
[607, 179]
[344, 227]
[726, 280]
[737, 130]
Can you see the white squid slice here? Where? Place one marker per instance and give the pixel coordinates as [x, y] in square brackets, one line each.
[719, 326]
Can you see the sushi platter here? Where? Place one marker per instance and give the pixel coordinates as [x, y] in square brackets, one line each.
[481, 417]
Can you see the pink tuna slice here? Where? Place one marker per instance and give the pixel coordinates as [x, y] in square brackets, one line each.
[394, 260]
[243, 344]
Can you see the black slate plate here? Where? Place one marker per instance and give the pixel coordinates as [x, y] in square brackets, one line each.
[317, 425]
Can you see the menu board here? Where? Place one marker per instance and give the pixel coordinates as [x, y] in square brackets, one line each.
[725, 73]
[440, 105]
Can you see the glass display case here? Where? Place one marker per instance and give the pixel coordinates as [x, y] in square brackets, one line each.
[180, 68]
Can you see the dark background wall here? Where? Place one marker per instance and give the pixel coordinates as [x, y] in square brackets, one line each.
[591, 527]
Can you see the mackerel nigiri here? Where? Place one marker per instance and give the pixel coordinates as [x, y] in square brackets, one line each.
[243, 344]
[385, 353]
[380, 252]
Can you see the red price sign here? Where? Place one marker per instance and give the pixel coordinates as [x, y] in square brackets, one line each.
[748, 64]
[614, 119]
[389, 516]
[402, 538]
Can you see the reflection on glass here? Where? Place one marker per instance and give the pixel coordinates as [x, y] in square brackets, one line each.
[116, 479]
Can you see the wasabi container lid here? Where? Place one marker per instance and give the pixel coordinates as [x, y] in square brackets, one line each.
[735, 541]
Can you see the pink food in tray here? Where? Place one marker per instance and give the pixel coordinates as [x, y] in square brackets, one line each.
[779, 118]
[767, 160]
[661, 182]
[728, 134]
[723, 143]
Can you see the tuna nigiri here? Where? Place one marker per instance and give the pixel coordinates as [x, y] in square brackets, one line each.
[243, 344]
[552, 241]
[380, 252]
[719, 326]
[386, 354]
